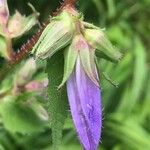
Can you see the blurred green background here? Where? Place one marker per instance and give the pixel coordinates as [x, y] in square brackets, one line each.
[126, 108]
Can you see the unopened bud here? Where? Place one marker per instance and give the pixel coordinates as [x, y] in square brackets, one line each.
[19, 24]
[4, 12]
[98, 40]
[36, 85]
[25, 73]
[56, 36]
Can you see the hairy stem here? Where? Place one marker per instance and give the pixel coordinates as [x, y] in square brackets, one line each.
[70, 2]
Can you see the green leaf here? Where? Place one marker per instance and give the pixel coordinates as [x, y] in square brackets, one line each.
[139, 71]
[1, 147]
[111, 8]
[129, 131]
[57, 98]
[145, 111]
[125, 101]
[19, 117]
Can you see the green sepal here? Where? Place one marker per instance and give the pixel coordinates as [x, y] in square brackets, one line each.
[104, 48]
[87, 60]
[89, 25]
[43, 35]
[115, 59]
[70, 57]
[3, 48]
[57, 105]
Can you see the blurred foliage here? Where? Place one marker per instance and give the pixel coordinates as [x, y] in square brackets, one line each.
[126, 109]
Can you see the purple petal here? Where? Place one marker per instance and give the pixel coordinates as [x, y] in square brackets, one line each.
[85, 102]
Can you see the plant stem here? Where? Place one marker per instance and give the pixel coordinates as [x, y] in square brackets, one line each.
[70, 2]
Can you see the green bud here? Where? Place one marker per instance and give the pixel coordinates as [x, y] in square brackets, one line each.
[56, 36]
[104, 48]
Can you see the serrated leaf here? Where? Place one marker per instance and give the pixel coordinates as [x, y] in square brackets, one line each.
[57, 98]
[20, 118]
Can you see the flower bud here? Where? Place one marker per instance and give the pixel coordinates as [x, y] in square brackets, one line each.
[35, 85]
[98, 40]
[4, 12]
[25, 73]
[19, 24]
[56, 36]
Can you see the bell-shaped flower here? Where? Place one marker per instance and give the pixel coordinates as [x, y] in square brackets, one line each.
[83, 92]
[80, 42]
[85, 104]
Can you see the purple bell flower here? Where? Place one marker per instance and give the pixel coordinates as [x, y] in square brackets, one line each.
[81, 43]
[85, 103]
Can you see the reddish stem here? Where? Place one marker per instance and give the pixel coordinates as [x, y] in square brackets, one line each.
[27, 47]
[67, 4]
[70, 2]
